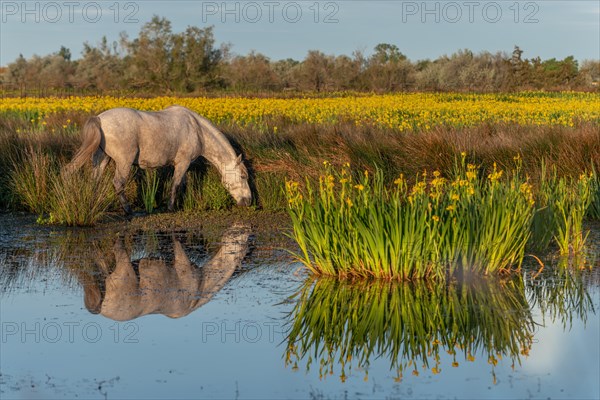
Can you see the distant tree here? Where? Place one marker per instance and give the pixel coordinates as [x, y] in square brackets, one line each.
[17, 71]
[56, 72]
[159, 60]
[481, 72]
[559, 74]
[345, 74]
[532, 76]
[286, 71]
[316, 71]
[252, 72]
[520, 69]
[385, 53]
[150, 55]
[164, 61]
[589, 73]
[195, 59]
[51, 71]
[65, 53]
[422, 64]
[466, 71]
[516, 56]
[429, 75]
[388, 69]
[101, 67]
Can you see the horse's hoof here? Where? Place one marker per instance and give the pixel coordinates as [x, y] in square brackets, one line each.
[128, 213]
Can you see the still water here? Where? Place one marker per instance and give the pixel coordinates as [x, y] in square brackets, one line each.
[99, 314]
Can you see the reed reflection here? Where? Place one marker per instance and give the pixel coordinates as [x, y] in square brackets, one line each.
[338, 326]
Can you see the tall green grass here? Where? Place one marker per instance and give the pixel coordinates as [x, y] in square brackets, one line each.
[149, 189]
[204, 191]
[297, 150]
[82, 198]
[356, 226]
[270, 189]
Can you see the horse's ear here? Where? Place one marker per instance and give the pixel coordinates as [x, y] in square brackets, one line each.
[238, 160]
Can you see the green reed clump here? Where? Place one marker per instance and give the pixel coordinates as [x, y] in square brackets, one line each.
[340, 323]
[149, 188]
[562, 204]
[30, 179]
[594, 208]
[351, 226]
[79, 198]
[571, 206]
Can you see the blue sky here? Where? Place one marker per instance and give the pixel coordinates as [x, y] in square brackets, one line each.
[282, 29]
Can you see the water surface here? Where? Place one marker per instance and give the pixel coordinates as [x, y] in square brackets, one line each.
[99, 314]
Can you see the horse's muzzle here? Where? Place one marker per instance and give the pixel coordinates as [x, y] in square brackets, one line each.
[245, 201]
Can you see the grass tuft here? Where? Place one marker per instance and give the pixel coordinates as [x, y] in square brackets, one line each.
[30, 179]
[79, 198]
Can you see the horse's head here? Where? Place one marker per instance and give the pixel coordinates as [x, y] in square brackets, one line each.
[235, 179]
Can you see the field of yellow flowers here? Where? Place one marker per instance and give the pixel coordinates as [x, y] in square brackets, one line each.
[406, 111]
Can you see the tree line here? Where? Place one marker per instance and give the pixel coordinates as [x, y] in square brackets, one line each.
[162, 61]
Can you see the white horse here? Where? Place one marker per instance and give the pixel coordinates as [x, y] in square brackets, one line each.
[174, 136]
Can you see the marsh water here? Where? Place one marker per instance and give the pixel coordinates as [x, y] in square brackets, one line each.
[88, 313]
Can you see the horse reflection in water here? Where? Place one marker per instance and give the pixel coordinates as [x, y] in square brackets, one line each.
[159, 288]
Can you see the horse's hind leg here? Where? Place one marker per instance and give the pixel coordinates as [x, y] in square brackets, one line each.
[178, 175]
[119, 181]
[99, 161]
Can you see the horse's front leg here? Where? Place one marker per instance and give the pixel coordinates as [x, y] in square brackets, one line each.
[119, 181]
[178, 175]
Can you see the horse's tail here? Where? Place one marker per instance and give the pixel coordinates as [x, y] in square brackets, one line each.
[92, 135]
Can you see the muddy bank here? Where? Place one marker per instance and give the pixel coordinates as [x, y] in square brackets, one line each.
[269, 226]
